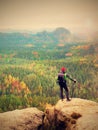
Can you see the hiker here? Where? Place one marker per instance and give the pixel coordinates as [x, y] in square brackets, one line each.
[62, 76]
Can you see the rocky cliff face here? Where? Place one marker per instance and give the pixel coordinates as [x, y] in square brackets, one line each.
[26, 119]
[78, 114]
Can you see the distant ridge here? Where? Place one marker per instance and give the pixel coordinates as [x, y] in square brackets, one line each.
[61, 30]
[59, 35]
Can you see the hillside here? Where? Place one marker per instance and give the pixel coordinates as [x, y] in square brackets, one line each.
[78, 114]
[58, 44]
[29, 65]
[39, 46]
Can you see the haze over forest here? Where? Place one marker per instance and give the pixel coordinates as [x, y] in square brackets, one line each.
[37, 15]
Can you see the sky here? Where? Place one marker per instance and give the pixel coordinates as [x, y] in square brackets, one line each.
[75, 15]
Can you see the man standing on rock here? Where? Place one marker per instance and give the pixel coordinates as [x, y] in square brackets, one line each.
[62, 76]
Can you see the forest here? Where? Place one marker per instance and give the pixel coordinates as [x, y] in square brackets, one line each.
[28, 73]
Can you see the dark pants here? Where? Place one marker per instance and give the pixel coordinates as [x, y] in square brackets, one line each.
[64, 86]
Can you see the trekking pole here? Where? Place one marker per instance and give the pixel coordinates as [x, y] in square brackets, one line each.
[79, 88]
[73, 88]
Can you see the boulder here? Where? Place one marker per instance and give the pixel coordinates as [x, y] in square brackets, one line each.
[77, 114]
[25, 119]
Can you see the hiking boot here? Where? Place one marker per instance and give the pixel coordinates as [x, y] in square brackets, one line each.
[68, 99]
[62, 99]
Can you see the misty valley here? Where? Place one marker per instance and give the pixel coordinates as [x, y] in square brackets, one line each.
[29, 65]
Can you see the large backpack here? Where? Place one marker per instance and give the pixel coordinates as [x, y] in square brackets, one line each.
[61, 78]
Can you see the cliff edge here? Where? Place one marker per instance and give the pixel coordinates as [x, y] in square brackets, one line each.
[77, 114]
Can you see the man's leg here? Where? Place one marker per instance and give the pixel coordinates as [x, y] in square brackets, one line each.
[61, 92]
[67, 93]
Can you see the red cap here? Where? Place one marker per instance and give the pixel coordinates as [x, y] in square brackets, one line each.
[63, 69]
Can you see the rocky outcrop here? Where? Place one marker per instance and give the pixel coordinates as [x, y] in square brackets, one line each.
[25, 119]
[78, 114]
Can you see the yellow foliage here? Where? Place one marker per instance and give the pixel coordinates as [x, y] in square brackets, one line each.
[96, 65]
[83, 60]
[16, 85]
[48, 106]
[23, 85]
[85, 47]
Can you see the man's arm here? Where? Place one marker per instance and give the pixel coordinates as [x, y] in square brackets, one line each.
[68, 76]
